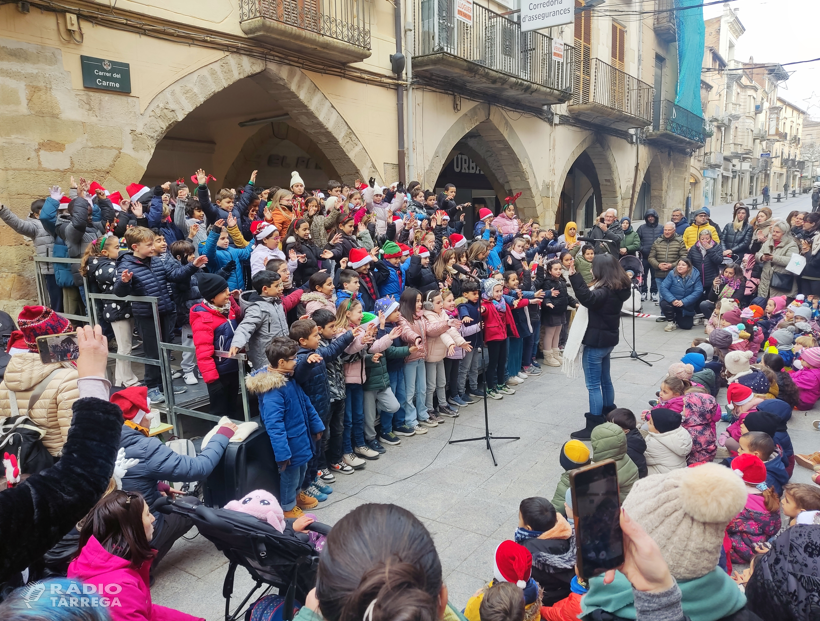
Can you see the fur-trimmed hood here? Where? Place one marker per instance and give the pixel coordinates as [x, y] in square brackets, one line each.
[265, 380]
[315, 296]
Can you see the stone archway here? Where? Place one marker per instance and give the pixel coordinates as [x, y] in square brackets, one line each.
[605, 167]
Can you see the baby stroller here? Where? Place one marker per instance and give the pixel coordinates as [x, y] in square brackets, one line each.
[271, 558]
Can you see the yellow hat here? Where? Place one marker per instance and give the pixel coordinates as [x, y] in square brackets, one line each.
[574, 454]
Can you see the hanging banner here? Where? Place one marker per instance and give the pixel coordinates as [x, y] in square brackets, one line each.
[537, 14]
[464, 10]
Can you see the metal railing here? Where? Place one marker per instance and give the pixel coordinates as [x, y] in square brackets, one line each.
[665, 19]
[343, 20]
[493, 41]
[616, 89]
[680, 121]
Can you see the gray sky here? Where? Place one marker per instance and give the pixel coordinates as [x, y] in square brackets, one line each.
[782, 31]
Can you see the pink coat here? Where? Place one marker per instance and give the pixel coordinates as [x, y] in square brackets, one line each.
[808, 382]
[354, 371]
[437, 346]
[505, 225]
[314, 301]
[127, 588]
[424, 328]
[734, 428]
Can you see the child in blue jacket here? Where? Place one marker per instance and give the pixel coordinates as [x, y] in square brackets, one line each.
[219, 252]
[290, 420]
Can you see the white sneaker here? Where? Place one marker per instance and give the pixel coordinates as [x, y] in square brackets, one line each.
[514, 381]
[643, 296]
[354, 462]
[654, 297]
[176, 374]
[522, 375]
[190, 378]
[366, 452]
[670, 327]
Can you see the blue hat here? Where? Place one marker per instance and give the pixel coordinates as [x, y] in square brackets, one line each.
[696, 360]
[756, 381]
[706, 211]
[386, 306]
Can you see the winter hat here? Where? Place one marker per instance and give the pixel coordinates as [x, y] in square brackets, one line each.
[136, 191]
[686, 512]
[261, 229]
[681, 370]
[783, 338]
[457, 240]
[442, 215]
[484, 213]
[359, 257]
[16, 344]
[747, 314]
[92, 189]
[35, 321]
[64, 201]
[720, 339]
[738, 363]
[811, 356]
[379, 190]
[391, 250]
[762, 421]
[732, 316]
[386, 306]
[210, 285]
[738, 394]
[116, 199]
[489, 285]
[294, 179]
[423, 252]
[665, 419]
[512, 563]
[750, 469]
[696, 360]
[804, 312]
[574, 454]
[133, 402]
[758, 311]
[708, 350]
[779, 303]
[405, 250]
[756, 381]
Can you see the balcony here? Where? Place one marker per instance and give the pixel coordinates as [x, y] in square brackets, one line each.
[760, 134]
[713, 160]
[490, 58]
[665, 25]
[675, 127]
[610, 97]
[333, 30]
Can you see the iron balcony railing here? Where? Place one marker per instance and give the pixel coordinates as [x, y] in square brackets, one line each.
[343, 20]
[665, 20]
[492, 41]
[613, 88]
[677, 120]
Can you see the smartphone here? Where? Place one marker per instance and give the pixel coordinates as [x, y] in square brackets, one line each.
[58, 347]
[596, 509]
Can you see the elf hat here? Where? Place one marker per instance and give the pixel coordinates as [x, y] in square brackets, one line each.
[16, 344]
[457, 240]
[136, 191]
[386, 306]
[512, 563]
[35, 321]
[391, 250]
[738, 394]
[64, 201]
[261, 229]
[115, 198]
[749, 468]
[133, 402]
[92, 189]
[423, 252]
[405, 250]
[359, 257]
[295, 178]
[484, 213]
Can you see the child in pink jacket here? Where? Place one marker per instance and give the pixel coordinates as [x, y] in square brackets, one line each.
[321, 293]
[807, 378]
[438, 347]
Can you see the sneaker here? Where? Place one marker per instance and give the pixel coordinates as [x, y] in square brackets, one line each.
[454, 401]
[536, 364]
[448, 411]
[722, 453]
[420, 431]
[660, 319]
[294, 513]
[492, 394]
[326, 475]
[314, 492]
[470, 399]
[435, 418]
[322, 487]
[366, 452]
[643, 296]
[353, 461]
[505, 390]
[190, 378]
[475, 392]
[404, 430]
[178, 390]
[427, 424]
[460, 402]
[514, 381]
[522, 375]
[341, 468]
[390, 438]
[155, 396]
[671, 327]
[655, 297]
[304, 501]
[375, 445]
[176, 374]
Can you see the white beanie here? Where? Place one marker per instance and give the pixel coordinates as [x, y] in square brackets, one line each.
[330, 202]
[295, 178]
[738, 364]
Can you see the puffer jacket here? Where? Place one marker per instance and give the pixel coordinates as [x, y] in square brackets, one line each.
[738, 242]
[700, 413]
[665, 251]
[692, 233]
[667, 451]
[204, 323]
[335, 374]
[263, 318]
[688, 289]
[218, 258]
[420, 327]
[708, 265]
[783, 411]
[52, 411]
[437, 346]
[150, 278]
[33, 229]
[75, 229]
[505, 225]
[313, 378]
[378, 375]
[649, 231]
[421, 278]
[496, 326]
[166, 226]
[102, 274]
[354, 369]
[603, 328]
[609, 442]
[781, 255]
[559, 498]
[314, 301]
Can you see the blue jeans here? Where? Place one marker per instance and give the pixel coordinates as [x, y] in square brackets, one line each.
[397, 386]
[354, 417]
[290, 481]
[536, 330]
[415, 385]
[598, 381]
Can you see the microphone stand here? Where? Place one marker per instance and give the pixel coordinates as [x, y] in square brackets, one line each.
[633, 355]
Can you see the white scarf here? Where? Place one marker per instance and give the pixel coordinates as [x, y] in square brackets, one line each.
[574, 349]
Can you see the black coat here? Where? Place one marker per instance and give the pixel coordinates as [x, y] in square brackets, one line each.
[739, 242]
[552, 316]
[649, 231]
[150, 278]
[604, 306]
[304, 270]
[421, 278]
[709, 266]
[635, 448]
[556, 582]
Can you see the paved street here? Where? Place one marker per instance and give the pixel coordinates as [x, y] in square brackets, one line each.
[468, 505]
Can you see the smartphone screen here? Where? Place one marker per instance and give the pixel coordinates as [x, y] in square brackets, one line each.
[58, 347]
[596, 509]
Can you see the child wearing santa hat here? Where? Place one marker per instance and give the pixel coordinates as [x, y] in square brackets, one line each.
[760, 519]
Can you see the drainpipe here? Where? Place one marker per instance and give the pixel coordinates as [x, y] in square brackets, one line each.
[397, 62]
[411, 150]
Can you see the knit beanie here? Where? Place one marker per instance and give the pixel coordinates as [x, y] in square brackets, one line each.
[574, 454]
[665, 420]
[708, 350]
[738, 394]
[391, 250]
[804, 312]
[779, 303]
[210, 285]
[512, 563]
[36, 321]
[681, 370]
[811, 356]
[133, 402]
[750, 469]
[783, 338]
[756, 381]
[738, 363]
[732, 316]
[696, 360]
[720, 339]
[489, 285]
[686, 512]
[295, 178]
[762, 421]
[757, 310]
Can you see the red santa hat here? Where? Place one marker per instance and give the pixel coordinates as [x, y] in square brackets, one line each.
[423, 252]
[136, 191]
[133, 402]
[261, 229]
[64, 201]
[512, 563]
[405, 250]
[739, 394]
[484, 213]
[92, 189]
[442, 215]
[457, 240]
[115, 198]
[750, 468]
[359, 257]
[16, 344]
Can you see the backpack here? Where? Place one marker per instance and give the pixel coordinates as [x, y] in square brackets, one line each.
[21, 437]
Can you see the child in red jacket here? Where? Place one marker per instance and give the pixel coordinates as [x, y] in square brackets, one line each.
[213, 322]
[498, 325]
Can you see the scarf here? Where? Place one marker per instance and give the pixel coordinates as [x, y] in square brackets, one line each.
[730, 287]
[371, 289]
[574, 347]
[518, 255]
[500, 305]
[225, 309]
[708, 598]
[570, 239]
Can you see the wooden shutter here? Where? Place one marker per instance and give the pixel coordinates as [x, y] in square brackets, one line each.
[617, 88]
[583, 53]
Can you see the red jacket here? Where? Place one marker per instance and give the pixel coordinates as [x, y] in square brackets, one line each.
[567, 609]
[495, 326]
[204, 321]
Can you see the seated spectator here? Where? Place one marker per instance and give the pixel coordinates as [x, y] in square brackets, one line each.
[609, 442]
[776, 414]
[574, 454]
[22, 606]
[668, 444]
[502, 602]
[760, 518]
[700, 415]
[807, 378]
[680, 293]
[635, 444]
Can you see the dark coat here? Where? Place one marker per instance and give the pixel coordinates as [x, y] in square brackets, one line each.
[468, 309]
[421, 278]
[102, 274]
[39, 513]
[739, 242]
[313, 378]
[555, 582]
[609, 240]
[552, 316]
[649, 231]
[304, 269]
[164, 226]
[635, 448]
[709, 265]
[150, 278]
[665, 251]
[604, 312]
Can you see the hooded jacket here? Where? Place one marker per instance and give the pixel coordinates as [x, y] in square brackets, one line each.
[667, 451]
[264, 318]
[32, 228]
[204, 324]
[649, 231]
[219, 257]
[609, 442]
[808, 384]
[699, 413]
[708, 264]
[739, 242]
[692, 233]
[635, 448]
[314, 300]
[631, 240]
[783, 411]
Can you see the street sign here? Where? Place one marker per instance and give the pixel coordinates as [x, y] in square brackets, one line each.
[537, 14]
[464, 10]
[107, 75]
[765, 155]
[558, 50]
